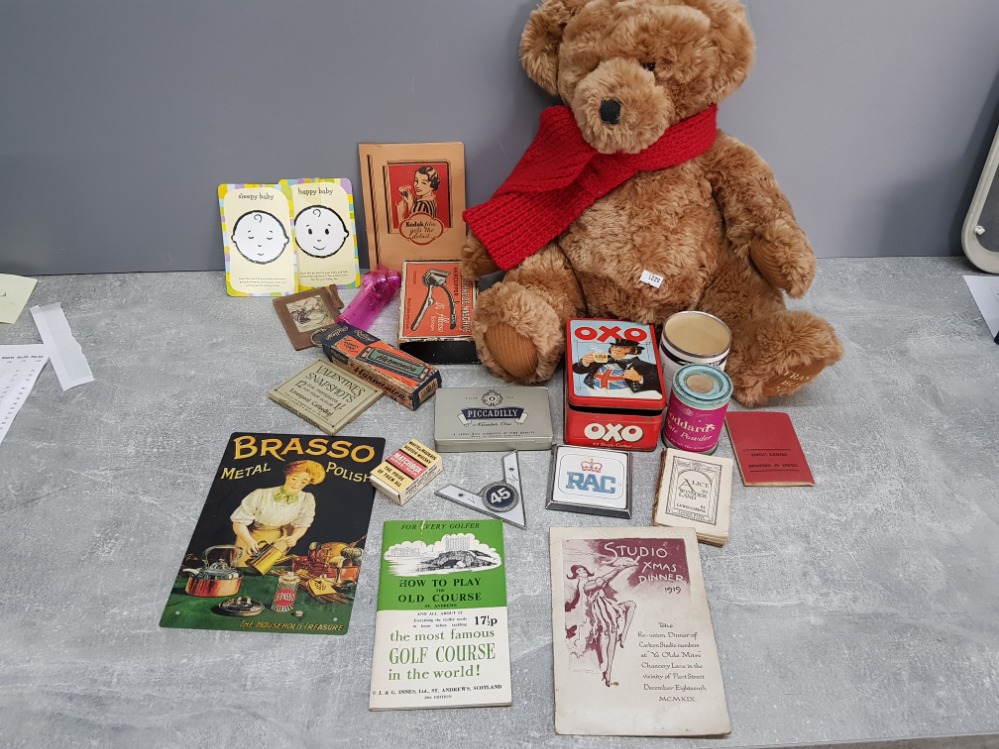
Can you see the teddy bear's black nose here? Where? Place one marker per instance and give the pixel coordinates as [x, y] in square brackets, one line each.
[610, 111]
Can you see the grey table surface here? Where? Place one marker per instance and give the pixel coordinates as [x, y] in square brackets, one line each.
[864, 610]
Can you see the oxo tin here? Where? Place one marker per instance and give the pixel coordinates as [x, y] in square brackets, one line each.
[613, 385]
[697, 405]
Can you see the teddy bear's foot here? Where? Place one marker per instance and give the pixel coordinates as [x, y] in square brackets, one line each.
[785, 355]
[518, 334]
[514, 353]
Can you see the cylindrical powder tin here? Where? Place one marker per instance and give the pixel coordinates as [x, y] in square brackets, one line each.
[693, 338]
[696, 410]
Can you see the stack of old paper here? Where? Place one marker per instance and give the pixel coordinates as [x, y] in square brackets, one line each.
[695, 491]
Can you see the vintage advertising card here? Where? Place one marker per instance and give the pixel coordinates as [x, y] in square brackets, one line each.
[256, 233]
[767, 449]
[306, 312]
[696, 491]
[633, 641]
[325, 395]
[280, 541]
[414, 197]
[441, 632]
[324, 232]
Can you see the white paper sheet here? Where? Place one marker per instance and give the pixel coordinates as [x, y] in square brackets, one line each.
[68, 361]
[985, 290]
[19, 368]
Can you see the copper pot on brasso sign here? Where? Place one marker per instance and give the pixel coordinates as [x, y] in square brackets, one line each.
[216, 578]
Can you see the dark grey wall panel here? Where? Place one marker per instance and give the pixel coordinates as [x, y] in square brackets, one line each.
[121, 118]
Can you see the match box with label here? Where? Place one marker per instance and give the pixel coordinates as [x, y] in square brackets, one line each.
[407, 471]
[614, 394]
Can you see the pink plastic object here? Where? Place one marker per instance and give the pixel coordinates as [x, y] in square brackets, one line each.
[377, 289]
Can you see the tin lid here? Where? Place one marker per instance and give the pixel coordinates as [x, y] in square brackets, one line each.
[613, 364]
[702, 386]
[696, 336]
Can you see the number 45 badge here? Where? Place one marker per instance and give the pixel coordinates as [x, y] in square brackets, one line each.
[501, 499]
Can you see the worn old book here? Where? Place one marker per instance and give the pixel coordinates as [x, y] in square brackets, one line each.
[441, 633]
[695, 491]
[767, 449]
[634, 646]
[325, 395]
[280, 541]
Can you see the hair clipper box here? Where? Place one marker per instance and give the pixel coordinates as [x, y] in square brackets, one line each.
[436, 308]
[614, 394]
[402, 377]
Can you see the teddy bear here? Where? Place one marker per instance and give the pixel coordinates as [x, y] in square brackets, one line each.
[631, 204]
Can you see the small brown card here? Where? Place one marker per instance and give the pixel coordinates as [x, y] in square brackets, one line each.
[304, 313]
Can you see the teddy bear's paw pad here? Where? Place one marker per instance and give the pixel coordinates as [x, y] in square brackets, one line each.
[791, 380]
[514, 353]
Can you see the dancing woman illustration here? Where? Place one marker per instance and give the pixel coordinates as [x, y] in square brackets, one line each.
[605, 621]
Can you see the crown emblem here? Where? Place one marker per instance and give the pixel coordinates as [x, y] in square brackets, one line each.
[591, 465]
[492, 398]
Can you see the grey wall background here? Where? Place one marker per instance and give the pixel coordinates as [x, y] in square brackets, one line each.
[120, 118]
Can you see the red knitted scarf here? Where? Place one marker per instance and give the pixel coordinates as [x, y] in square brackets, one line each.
[561, 175]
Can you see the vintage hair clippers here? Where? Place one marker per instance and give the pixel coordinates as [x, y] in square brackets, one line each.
[432, 279]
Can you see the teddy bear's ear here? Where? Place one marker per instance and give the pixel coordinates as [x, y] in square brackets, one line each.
[541, 39]
[734, 39]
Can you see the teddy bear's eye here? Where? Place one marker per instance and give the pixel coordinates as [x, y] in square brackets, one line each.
[650, 66]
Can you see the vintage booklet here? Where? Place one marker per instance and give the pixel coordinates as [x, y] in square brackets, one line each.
[695, 491]
[767, 449]
[634, 646]
[441, 629]
[325, 395]
[280, 542]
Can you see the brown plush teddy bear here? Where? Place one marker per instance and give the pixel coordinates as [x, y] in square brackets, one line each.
[632, 175]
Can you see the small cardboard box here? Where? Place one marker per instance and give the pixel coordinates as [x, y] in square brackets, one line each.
[402, 377]
[407, 471]
[436, 309]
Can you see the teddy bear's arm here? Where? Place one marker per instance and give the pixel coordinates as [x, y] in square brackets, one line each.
[475, 259]
[760, 224]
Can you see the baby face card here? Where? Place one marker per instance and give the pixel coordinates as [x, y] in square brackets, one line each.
[324, 232]
[256, 231]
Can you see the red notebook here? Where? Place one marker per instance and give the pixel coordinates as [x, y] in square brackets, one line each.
[767, 450]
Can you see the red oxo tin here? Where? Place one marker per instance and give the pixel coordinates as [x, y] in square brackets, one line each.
[613, 385]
